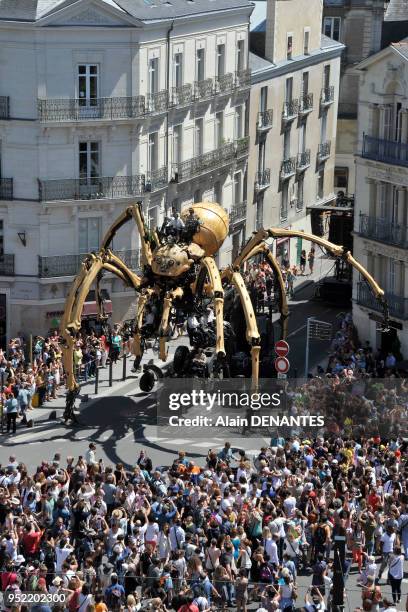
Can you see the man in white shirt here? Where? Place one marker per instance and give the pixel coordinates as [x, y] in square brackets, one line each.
[177, 536]
[90, 457]
[387, 546]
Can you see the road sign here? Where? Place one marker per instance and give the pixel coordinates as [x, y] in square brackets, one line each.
[281, 348]
[281, 365]
[282, 376]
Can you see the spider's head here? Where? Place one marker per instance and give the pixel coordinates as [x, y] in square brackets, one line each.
[171, 260]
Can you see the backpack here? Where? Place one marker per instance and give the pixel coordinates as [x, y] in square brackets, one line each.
[114, 599]
[320, 536]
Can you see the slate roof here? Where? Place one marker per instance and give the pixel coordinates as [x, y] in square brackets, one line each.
[145, 10]
[397, 10]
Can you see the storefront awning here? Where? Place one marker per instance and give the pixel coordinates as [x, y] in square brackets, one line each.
[90, 309]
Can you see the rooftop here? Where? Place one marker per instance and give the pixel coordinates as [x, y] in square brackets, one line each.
[397, 10]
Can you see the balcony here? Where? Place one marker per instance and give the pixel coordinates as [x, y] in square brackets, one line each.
[387, 151]
[306, 104]
[224, 84]
[156, 179]
[262, 180]
[238, 212]
[92, 189]
[203, 90]
[303, 161]
[397, 305]
[383, 230]
[6, 265]
[182, 96]
[91, 110]
[243, 79]
[6, 189]
[265, 120]
[242, 146]
[288, 168]
[157, 103]
[323, 151]
[4, 107]
[290, 111]
[207, 162]
[327, 96]
[69, 265]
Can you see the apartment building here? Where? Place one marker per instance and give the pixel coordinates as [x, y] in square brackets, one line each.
[292, 123]
[381, 219]
[358, 25]
[104, 103]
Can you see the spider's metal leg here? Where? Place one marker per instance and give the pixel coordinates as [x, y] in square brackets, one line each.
[252, 333]
[141, 304]
[215, 282]
[164, 324]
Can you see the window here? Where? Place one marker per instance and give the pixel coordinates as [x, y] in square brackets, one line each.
[286, 144]
[326, 77]
[237, 188]
[323, 127]
[261, 156]
[88, 90]
[200, 64]
[177, 144]
[240, 55]
[198, 196]
[178, 69]
[89, 234]
[153, 151]
[289, 46]
[289, 90]
[320, 184]
[302, 138]
[218, 192]
[220, 60]
[89, 160]
[341, 179]
[263, 99]
[198, 137]
[306, 37]
[305, 83]
[331, 27]
[219, 129]
[153, 217]
[259, 212]
[154, 75]
[1, 238]
[175, 205]
[238, 122]
[300, 186]
[284, 202]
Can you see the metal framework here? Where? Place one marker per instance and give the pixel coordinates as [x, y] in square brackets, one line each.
[172, 268]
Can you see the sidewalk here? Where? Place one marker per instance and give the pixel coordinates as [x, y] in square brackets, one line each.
[323, 266]
[87, 392]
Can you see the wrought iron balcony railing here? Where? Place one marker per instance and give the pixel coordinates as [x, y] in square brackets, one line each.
[283, 212]
[182, 95]
[387, 151]
[288, 168]
[242, 146]
[238, 212]
[69, 265]
[207, 162]
[290, 110]
[303, 160]
[397, 305]
[4, 107]
[92, 189]
[383, 230]
[6, 189]
[95, 109]
[262, 179]
[204, 90]
[224, 84]
[299, 204]
[265, 120]
[157, 102]
[323, 151]
[243, 78]
[156, 179]
[327, 96]
[6, 265]
[306, 104]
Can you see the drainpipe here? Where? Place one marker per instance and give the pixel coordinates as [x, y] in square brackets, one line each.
[169, 31]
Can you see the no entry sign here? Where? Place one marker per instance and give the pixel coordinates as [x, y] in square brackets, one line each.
[281, 365]
[281, 348]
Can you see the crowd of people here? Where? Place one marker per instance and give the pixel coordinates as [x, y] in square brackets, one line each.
[191, 538]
